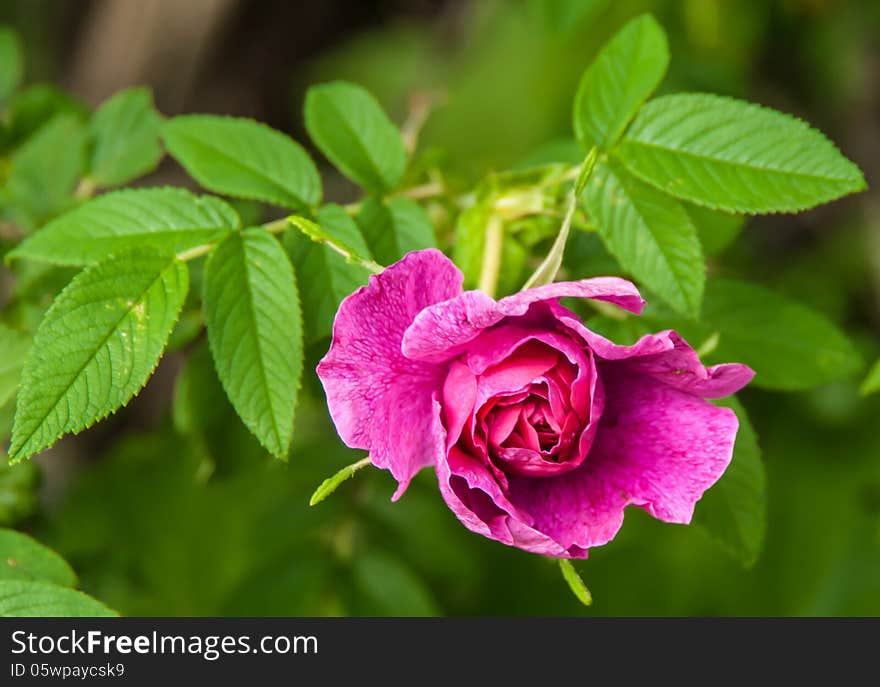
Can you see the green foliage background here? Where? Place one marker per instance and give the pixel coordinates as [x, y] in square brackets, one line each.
[175, 509]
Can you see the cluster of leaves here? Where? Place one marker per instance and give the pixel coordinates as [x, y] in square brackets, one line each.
[674, 178]
[36, 581]
[102, 338]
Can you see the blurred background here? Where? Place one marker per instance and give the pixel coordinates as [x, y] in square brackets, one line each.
[171, 508]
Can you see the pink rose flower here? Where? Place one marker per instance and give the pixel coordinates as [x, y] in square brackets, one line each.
[541, 431]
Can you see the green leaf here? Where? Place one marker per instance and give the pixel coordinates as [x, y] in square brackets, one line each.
[255, 331]
[650, 234]
[470, 241]
[395, 227]
[563, 16]
[172, 219]
[11, 63]
[189, 325]
[192, 389]
[202, 413]
[391, 588]
[18, 489]
[244, 159]
[514, 258]
[736, 156]
[19, 599]
[625, 331]
[546, 272]
[872, 380]
[35, 106]
[6, 415]
[349, 126]
[22, 558]
[575, 583]
[44, 171]
[125, 130]
[97, 346]
[470, 238]
[717, 230]
[624, 74]
[324, 276]
[331, 484]
[789, 346]
[734, 510]
[14, 346]
[560, 150]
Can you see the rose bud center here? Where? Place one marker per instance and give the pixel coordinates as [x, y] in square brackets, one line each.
[535, 409]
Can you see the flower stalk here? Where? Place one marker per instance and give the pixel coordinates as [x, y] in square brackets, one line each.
[488, 282]
[549, 268]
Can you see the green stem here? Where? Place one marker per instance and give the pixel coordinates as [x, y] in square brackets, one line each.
[420, 107]
[315, 233]
[549, 268]
[196, 252]
[433, 189]
[276, 226]
[371, 265]
[85, 189]
[491, 267]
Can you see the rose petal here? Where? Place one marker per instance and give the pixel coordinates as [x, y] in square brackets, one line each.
[474, 497]
[681, 368]
[657, 448]
[660, 446]
[648, 345]
[479, 502]
[665, 356]
[503, 422]
[578, 509]
[496, 345]
[459, 397]
[379, 399]
[439, 331]
[515, 372]
[529, 436]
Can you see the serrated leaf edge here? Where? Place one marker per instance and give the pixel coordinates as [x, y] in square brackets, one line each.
[15, 447]
[385, 185]
[859, 185]
[283, 200]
